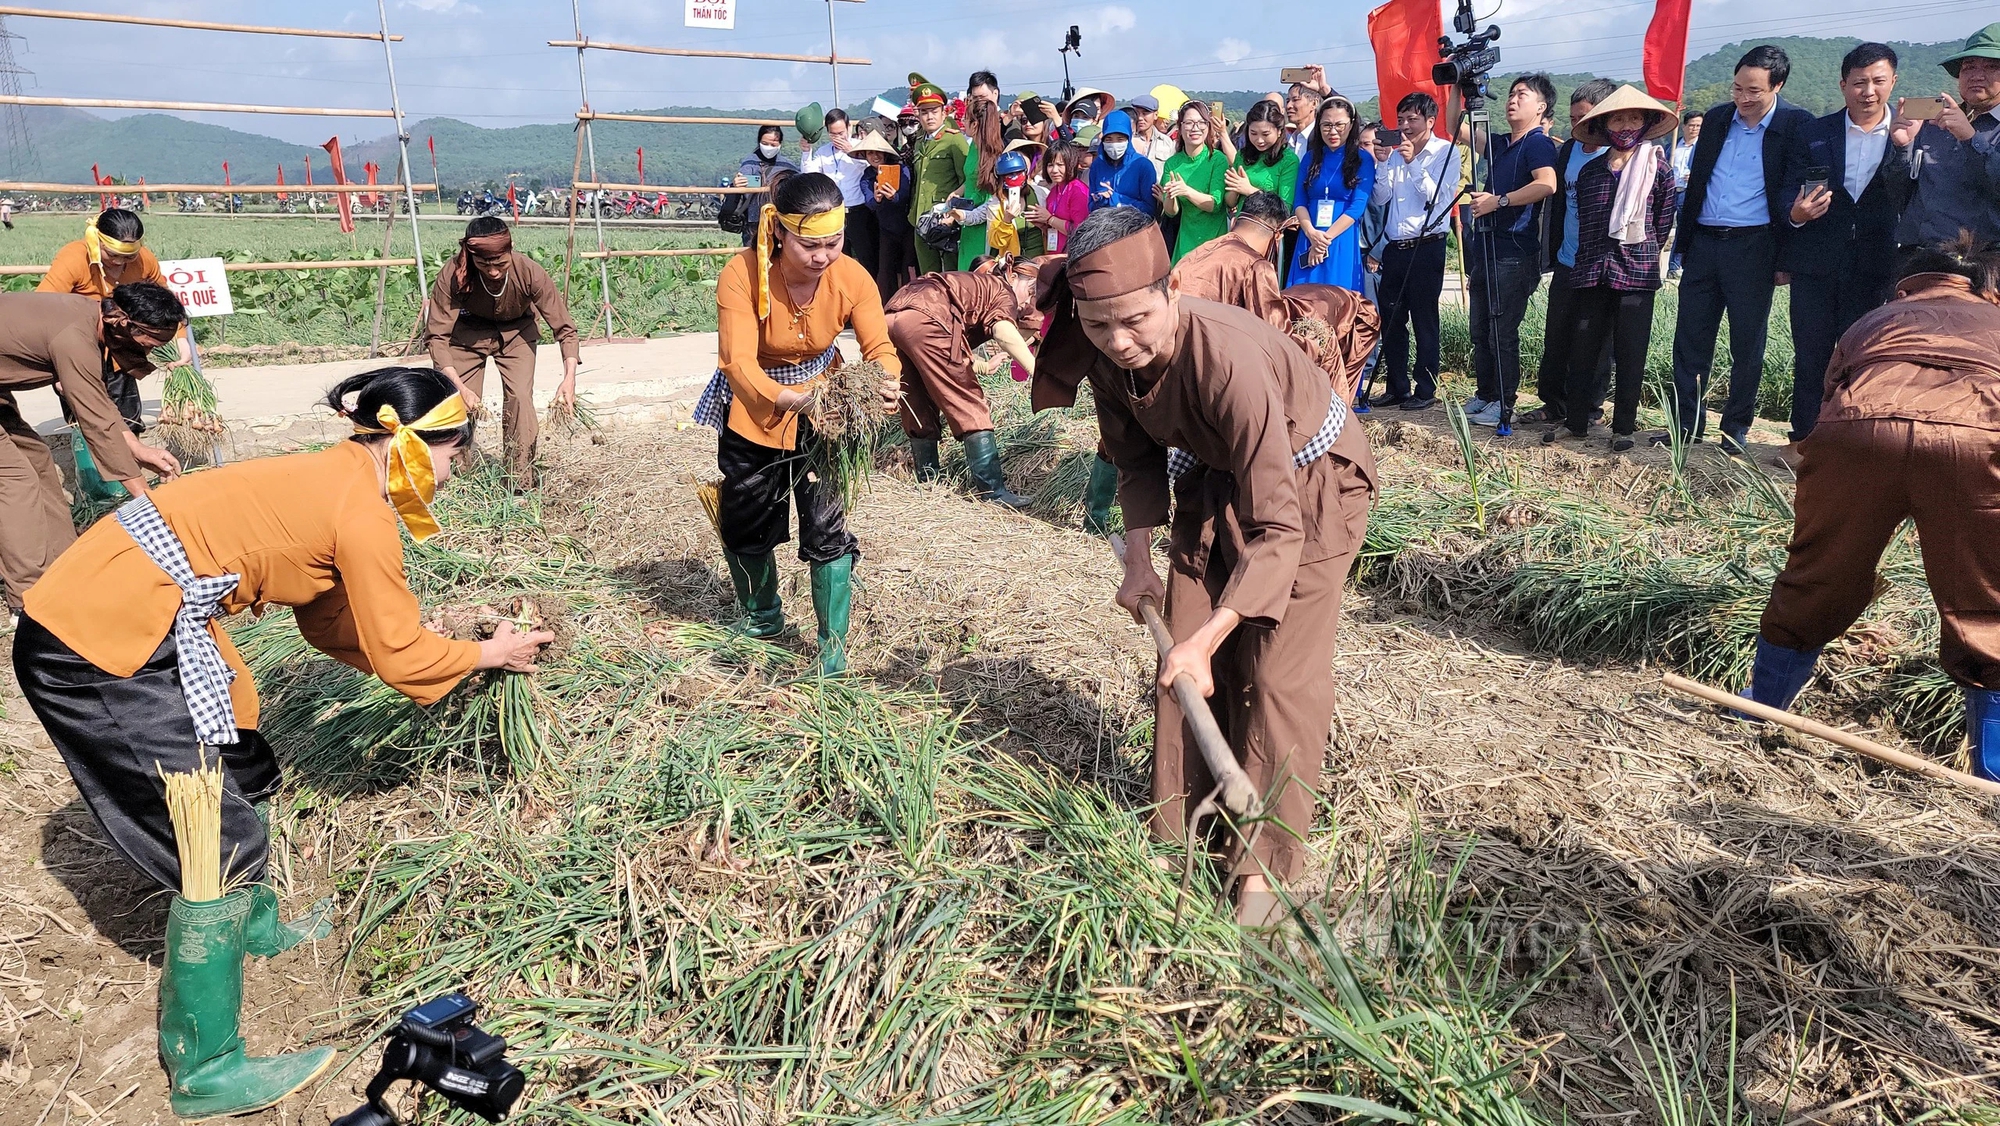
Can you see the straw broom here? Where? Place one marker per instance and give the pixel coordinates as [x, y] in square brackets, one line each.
[194, 803]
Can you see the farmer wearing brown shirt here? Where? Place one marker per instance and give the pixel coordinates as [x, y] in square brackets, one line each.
[936, 322]
[1273, 484]
[1909, 429]
[484, 306]
[72, 342]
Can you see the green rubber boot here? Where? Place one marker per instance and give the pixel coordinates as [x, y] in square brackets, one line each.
[92, 482]
[833, 604]
[267, 936]
[756, 580]
[925, 452]
[1099, 496]
[201, 998]
[982, 464]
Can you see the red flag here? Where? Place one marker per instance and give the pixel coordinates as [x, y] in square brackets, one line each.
[309, 170]
[511, 205]
[143, 197]
[281, 182]
[225, 174]
[439, 188]
[642, 165]
[368, 169]
[1665, 57]
[341, 200]
[98, 178]
[1405, 35]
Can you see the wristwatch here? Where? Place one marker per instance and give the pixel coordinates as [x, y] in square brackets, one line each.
[1503, 199]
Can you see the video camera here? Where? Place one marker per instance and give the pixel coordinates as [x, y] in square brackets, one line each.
[437, 1044]
[1467, 65]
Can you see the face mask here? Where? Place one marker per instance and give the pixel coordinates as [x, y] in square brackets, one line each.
[910, 130]
[1116, 149]
[768, 152]
[1625, 140]
[1079, 119]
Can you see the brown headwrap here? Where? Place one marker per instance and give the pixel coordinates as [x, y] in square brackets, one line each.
[1063, 361]
[484, 246]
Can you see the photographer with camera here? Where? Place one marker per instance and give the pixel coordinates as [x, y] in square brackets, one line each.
[1503, 255]
[1953, 146]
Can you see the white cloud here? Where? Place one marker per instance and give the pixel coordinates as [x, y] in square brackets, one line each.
[455, 7]
[1115, 17]
[1232, 51]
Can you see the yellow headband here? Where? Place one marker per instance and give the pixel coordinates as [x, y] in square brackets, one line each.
[412, 474]
[96, 242]
[809, 226]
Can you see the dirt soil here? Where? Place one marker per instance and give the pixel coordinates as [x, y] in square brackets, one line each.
[1612, 827]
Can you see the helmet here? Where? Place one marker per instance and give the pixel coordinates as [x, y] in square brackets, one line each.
[1009, 164]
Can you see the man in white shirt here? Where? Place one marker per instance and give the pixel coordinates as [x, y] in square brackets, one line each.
[1844, 183]
[831, 159]
[1417, 187]
[1302, 107]
[1683, 167]
[1150, 139]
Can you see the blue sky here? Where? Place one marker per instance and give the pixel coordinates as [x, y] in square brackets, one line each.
[485, 61]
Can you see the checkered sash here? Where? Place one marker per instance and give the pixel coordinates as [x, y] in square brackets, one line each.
[712, 409]
[1179, 462]
[205, 676]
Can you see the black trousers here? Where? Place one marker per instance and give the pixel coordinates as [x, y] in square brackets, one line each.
[863, 234]
[1623, 321]
[1823, 308]
[1733, 276]
[1500, 288]
[1412, 282]
[895, 260]
[758, 485]
[1558, 335]
[116, 733]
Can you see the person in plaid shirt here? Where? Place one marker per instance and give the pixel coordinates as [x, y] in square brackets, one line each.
[1625, 210]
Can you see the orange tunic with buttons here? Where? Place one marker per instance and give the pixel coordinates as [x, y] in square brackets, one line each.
[311, 531]
[847, 295]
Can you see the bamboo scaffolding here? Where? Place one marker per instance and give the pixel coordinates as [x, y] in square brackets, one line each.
[256, 267]
[219, 189]
[587, 44]
[592, 186]
[190, 107]
[668, 119]
[196, 25]
[674, 252]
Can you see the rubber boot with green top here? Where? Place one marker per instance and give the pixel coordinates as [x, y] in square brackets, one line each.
[756, 580]
[982, 464]
[833, 604]
[201, 998]
[1099, 496]
[88, 479]
[265, 935]
[925, 453]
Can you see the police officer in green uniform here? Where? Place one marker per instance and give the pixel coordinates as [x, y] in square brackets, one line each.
[937, 166]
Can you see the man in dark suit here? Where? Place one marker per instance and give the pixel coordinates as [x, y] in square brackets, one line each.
[1737, 209]
[1846, 184]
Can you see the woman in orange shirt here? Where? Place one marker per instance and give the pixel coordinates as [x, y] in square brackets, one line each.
[112, 252]
[780, 304]
[120, 654]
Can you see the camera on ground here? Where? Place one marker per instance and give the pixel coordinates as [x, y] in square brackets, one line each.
[438, 1045]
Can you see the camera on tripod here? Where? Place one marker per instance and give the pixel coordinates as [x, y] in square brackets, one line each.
[437, 1044]
[1467, 65]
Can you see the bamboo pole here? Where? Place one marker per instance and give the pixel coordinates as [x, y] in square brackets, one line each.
[583, 44]
[256, 267]
[220, 189]
[575, 174]
[190, 107]
[1239, 795]
[407, 174]
[674, 252]
[592, 186]
[1888, 756]
[669, 119]
[196, 25]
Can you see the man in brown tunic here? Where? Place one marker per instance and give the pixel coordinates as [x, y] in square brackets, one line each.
[71, 341]
[1236, 269]
[935, 323]
[1908, 430]
[1273, 490]
[483, 306]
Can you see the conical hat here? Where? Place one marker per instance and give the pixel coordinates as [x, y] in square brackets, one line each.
[869, 142]
[1590, 130]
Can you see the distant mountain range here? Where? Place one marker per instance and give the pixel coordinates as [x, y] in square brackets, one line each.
[164, 149]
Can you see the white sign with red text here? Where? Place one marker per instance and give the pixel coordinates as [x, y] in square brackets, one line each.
[201, 285]
[712, 13]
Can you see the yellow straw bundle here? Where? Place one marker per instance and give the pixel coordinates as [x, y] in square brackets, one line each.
[194, 802]
[710, 493]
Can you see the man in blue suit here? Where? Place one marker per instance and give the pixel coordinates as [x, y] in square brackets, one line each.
[1846, 184]
[1733, 224]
